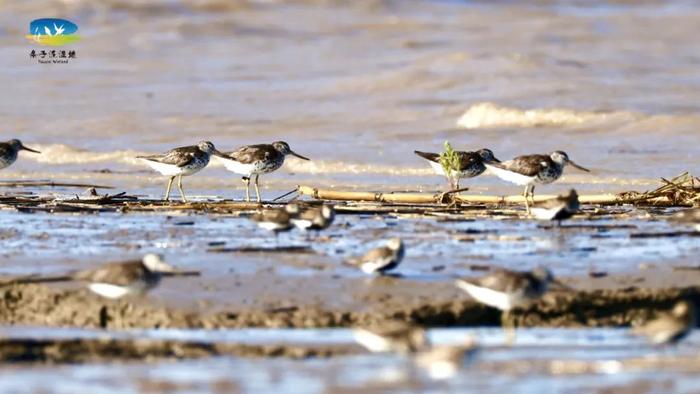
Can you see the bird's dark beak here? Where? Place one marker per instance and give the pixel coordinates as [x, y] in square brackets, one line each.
[578, 166]
[495, 160]
[556, 284]
[298, 155]
[31, 150]
[216, 152]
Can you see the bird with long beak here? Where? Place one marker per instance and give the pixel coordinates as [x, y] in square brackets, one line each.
[256, 160]
[9, 150]
[470, 164]
[531, 170]
[116, 280]
[180, 162]
[669, 327]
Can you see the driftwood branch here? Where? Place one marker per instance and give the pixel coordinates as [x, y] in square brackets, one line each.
[50, 184]
[426, 198]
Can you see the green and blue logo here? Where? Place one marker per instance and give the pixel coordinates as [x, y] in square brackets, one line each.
[53, 32]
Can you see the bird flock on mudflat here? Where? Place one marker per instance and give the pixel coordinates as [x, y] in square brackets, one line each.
[504, 290]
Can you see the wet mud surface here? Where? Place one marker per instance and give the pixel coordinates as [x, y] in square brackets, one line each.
[252, 279]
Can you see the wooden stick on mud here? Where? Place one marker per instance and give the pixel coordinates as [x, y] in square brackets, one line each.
[50, 184]
[426, 198]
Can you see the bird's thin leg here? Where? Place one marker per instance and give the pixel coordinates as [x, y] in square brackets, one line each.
[246, 180]
[525, 194]
[509, 326]
[167, 190]
[532, 194]
[179, 186]
[257, 191]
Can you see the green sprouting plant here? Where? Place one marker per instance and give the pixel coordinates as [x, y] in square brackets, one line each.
[449, 160]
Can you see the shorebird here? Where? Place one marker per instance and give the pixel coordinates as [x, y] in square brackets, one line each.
[671, 326]
[443, 362]
[688, 216]
[559, 208]
[311, 218]
[471, 164]
[506, 290]
[180, 162]
[381, 259]
[257, 159]
[392, 336]
[530, 170]
[9, 150]
[116, 280]
[275, 220]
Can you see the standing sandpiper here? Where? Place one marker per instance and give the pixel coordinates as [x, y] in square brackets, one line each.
[471, 164]
[9, 150]
[530, 170]
[381, 259]
[559, 208]
[116, 280]
[671, 326]
[257, 159]
[506, 290]
[392, 336]
[180, 162]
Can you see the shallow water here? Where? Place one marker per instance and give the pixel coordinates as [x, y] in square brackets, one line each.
[546, 360]
[435, 248]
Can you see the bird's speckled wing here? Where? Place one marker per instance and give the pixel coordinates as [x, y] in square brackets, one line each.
[272, 215]
[253, 153]
[468, 160]
[179, 156]
[503, 280]
[377, 254]
[5, 149]
[529, 165]
[121, 274]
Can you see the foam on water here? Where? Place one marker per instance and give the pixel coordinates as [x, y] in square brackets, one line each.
[487, 115]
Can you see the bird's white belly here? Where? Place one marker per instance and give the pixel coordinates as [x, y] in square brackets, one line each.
[512, 177]
[302, 224]
[108, 290]
[239, 168]
[172, 170]
[259, 167]
[373, 342]
[437, 168]
[545, 213]
[492, 298]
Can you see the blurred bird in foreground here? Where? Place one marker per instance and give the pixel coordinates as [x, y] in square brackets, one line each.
[314, 218]
[116, 280]
[381, 259]
[392, 336]
[506, 290]
[444, 362]
[669, 327]
[559, 208]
